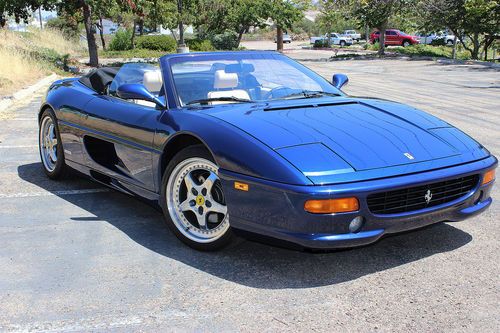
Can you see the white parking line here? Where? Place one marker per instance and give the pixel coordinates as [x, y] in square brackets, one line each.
[57, 193]
[18, 146]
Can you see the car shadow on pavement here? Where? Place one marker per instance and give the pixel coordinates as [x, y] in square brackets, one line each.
[253, 264]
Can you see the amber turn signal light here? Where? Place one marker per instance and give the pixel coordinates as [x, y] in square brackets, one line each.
[329, 206]
[488, 177]
[241, 186]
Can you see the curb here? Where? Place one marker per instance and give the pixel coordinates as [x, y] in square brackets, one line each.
[6, 102]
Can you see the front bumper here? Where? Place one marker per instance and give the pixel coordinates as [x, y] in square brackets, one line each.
[276, 210]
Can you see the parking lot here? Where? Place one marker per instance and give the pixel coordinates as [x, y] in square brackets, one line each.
[75, 256]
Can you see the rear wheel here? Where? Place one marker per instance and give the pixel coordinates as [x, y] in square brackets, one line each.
[50, 146]
[193, 201]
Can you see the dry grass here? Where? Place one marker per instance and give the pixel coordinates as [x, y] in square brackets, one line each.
[27, 57]
[17, 71]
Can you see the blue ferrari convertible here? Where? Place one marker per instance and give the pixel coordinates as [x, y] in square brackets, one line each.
[255, 143]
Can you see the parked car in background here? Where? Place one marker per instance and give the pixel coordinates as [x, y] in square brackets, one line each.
[335, 39]
[394, 37]
[429, 38]
[286, 39]
[352, 34]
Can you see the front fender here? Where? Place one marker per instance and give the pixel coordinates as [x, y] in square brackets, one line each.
[233, 149]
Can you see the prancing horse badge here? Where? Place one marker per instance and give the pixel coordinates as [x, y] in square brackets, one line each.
[410, 156]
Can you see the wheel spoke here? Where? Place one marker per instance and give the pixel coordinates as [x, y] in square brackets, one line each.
[202, 220]
[210, 181]
[52, 134]
[52, 154]
[217, 208]
[186, 205]
[190, 183]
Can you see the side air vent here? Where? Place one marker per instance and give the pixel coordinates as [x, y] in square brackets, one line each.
[305, 106]
[103, 153]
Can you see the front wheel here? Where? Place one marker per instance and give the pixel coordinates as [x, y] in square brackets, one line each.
[406, 43]
[342, 43]
[193, 201]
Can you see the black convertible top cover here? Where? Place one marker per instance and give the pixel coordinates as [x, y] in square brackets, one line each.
[98, 79]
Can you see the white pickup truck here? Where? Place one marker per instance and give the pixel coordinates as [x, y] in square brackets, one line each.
[335, 39]
[352, 34]
[427, 39]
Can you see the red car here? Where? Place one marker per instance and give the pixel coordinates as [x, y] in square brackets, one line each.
[394, 37]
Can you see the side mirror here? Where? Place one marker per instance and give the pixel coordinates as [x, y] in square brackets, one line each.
[340, 80]
[137, 91]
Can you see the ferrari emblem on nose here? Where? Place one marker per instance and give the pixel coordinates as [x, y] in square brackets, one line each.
[410, 156]
[428, 196]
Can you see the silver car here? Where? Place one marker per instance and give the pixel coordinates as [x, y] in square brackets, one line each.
[286, 39]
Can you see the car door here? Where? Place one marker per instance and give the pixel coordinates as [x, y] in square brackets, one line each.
[391, 37]
[335, 40]
[120, 133]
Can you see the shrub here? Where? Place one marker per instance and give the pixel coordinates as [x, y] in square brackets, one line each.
[438, 42]
[156, 42]
[373, 47]
[225, 41]
[200, 45]
[65, 24]
[320, 43]
[425, 51]
[121, 40]
[135, 53]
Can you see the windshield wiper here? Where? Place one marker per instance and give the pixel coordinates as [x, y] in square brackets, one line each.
[308, 94]
[219, 99]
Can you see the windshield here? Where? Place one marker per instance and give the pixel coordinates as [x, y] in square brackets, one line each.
[241, 77]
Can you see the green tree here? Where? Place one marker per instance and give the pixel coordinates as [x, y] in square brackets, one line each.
[104, 9]
[86, 7]
[219, 16]
[284, 14]
[67, 23]
[373, 13]
[471, 19]
[21, 9]
[334, 17]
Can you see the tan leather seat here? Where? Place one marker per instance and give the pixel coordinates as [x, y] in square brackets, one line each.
[153, 81]
[224, 84]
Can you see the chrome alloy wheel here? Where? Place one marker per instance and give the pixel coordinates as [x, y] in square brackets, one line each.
[48, 143]
[196, 202]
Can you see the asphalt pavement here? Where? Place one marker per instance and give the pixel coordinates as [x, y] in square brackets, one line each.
[75, 256]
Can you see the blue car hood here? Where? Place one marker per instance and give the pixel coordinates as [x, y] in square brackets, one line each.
[343, 139]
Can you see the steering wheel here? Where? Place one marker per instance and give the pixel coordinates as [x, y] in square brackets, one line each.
[275, 92]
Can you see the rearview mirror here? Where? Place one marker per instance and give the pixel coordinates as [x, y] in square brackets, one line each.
[340, 80]
[137, 91]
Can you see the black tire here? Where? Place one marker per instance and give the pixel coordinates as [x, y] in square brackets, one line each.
[60, 169]
[449, 42]
[405, 43]
[342, 43]
[197, 151]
